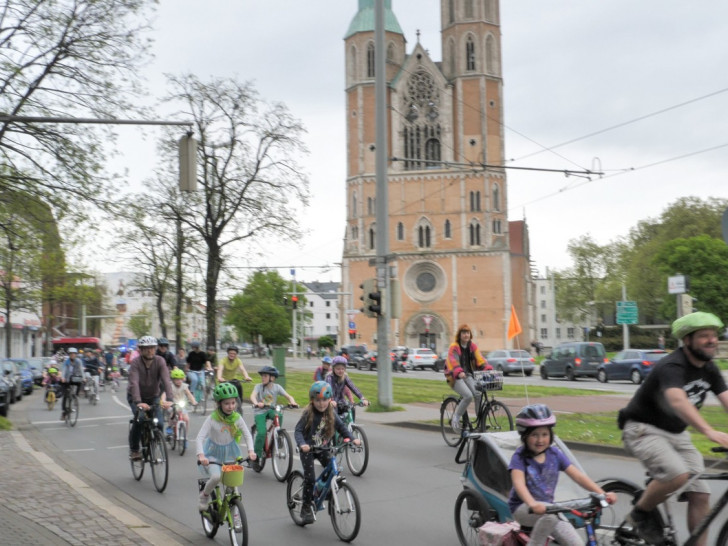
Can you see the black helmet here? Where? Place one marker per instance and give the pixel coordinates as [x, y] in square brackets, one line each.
[163, 341]
[233, 348]
[535, 415]
[270, 370]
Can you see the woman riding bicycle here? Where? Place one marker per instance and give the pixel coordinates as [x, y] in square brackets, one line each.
[463, 359]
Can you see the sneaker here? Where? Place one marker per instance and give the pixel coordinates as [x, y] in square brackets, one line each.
[456, 426]
[135, 455]
[204, 502]
[307, 514]
[645, 526]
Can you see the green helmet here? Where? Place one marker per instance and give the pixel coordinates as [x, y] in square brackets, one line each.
[177, 374]
[224, 391]
[52, 370]
[693, 322]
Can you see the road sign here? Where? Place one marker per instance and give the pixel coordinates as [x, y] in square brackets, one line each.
[627, 312]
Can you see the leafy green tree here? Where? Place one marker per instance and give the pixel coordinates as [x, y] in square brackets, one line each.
[261, 309]
[326, 341]
[705, 260]
[140, 324]
[60, 59]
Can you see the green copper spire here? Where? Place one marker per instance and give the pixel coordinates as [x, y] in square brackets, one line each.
[364, 19]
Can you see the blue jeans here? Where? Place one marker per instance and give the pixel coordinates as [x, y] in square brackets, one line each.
[195, 378]
[136, 431]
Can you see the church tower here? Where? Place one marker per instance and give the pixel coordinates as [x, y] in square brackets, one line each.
[448, 226]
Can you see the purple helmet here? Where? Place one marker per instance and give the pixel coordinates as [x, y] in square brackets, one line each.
[338, 360]
[535, 415]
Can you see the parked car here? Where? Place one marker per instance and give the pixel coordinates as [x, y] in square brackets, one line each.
[11, 374]
[354, 353]
[630, 364]
[26, 374]
[510, 361]
[4, 398]
[441, 359]
[419, 359]
[573, 360]
[37, 367]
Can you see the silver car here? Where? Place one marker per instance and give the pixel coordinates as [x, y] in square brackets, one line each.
[419, 359]
[511, 361]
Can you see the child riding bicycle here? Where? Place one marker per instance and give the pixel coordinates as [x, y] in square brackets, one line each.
[219, 439]
[265, 394]
[180, 392]
[316, 428]
[341, 383]
[534, 469]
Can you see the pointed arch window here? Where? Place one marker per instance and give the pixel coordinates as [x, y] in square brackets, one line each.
[451, 11]
[371, 205]
[474, 201]
[451, 57]
[390, 53]
[469, 54]
[421, 133]
[400, 231]
[448, 229]
[497, 227]
[496, 197]
[490, 11]
[474, 233]
[353, 204]
[424, 234]
[370, 60]
[354, 233]
[372, 236]
[353, 72]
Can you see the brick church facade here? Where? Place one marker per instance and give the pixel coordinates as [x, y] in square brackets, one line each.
[458, 258]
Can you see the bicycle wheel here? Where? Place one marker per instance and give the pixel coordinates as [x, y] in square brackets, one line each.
[345, 512]
[209, 524]
[258, 464]
[357, 457]
[612, 517]
[447, 410]
[471, 511]
[497, 418]
[158, 460]
[282, 460]
[171, 438]
[182, 437]
[72, 417]
[237, 524]
[294, 496]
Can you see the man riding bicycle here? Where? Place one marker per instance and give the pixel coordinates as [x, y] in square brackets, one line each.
[196, 365]
[92, 370]
[71, 378]
[163, 351]
[147, 373]
[231, 368]
[655, 420]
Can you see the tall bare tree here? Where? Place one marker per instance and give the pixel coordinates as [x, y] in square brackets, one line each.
[66, 58]
[251, 185]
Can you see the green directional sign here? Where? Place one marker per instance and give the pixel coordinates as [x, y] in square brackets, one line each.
[627, 312]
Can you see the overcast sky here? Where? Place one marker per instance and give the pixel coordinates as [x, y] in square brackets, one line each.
[571, 68]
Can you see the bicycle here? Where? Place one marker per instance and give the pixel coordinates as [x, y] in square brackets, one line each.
[331, 487]
[178, 433]
[153, 448]
[491, 415]
[278, 446]
[357, 457]
[625, 535]
[89, 390]
[203, 390]
[70, 404]
[226, 504]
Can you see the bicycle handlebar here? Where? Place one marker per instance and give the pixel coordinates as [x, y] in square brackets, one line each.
[243, 461]
[278, 407]
[594, 503]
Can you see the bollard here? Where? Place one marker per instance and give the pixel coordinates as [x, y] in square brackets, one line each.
[279, 361]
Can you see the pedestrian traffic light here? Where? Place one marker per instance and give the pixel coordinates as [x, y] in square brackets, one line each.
[294, 300]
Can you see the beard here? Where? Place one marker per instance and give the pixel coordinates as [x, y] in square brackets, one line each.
[700, 354]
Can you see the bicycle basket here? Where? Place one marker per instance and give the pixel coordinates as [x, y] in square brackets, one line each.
[232, 475]
[490, 381]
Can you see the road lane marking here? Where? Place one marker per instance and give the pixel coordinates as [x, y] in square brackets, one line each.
[80, 449]
[84, 419]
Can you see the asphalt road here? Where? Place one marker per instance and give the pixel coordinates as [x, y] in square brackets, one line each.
[407, 494]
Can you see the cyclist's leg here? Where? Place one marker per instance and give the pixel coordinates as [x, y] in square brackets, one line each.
[96, 385]
[542, 526]
[160, 414]
[194, 379]
[213, 471]
[309, 477]
[463, 389]
[261, 420]
[135, 436]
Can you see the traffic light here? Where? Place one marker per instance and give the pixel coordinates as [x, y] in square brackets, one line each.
[371, 298]
[294, 300]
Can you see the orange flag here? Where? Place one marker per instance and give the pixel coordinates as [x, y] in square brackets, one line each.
[514, 327]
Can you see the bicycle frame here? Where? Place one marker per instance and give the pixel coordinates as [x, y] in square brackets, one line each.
[332, 482]
[271, 433]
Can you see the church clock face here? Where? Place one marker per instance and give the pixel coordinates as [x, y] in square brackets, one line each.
[426, 281]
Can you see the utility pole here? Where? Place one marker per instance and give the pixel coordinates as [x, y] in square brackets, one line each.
[384, 368]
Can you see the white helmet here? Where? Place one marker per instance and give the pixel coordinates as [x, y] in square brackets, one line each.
[147, 341]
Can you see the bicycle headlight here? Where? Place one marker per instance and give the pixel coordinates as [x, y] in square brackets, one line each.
[181, 404]
[155, 421]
